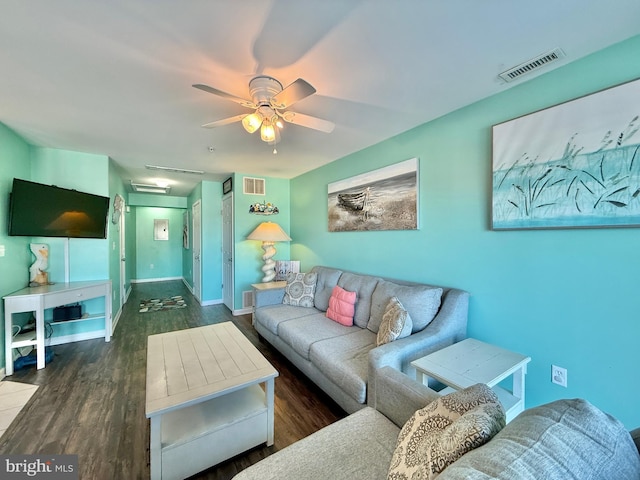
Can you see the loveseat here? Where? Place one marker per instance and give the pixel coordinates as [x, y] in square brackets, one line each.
[562, 440]
[339, 358]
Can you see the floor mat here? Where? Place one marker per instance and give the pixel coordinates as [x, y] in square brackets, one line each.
[158, 304]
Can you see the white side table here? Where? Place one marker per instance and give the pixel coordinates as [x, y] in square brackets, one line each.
[471, 361]
[262, 287]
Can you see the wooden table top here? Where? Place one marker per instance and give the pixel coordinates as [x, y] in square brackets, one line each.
[189, 366]
[469, 362]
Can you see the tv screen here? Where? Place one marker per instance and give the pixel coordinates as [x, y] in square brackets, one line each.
[38, 210]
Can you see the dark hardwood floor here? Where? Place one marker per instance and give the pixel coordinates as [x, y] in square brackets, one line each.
[91, 400]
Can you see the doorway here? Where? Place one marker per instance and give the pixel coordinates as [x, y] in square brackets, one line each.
[227, 251]
[197, 241]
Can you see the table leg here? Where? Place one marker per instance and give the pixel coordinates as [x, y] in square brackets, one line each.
[155, 447]
[8, 338]
[40, 353]
[270, 410]
[420, 377]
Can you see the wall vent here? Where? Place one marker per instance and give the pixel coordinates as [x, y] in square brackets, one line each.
[253, 186]
[247, 299]
[532, 65]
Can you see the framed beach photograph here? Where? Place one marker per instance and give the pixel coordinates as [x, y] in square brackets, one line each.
[574, 165]
[383, 199]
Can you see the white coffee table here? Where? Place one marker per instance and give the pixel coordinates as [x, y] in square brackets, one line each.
[204, 398]
[471, 361]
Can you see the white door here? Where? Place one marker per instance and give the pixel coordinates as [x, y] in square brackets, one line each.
[227, 251]
[123, 264]
[197, 265]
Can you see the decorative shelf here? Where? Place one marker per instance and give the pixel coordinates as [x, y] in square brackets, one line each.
[263, 209]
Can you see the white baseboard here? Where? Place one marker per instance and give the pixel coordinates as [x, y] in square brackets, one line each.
[149, 280]
[114, 320]
[77, 337]
[186, 284]
[242, 311]
[211, 302]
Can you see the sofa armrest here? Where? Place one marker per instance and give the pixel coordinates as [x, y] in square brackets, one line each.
[271, 296]
[398, 396]
[448, 327]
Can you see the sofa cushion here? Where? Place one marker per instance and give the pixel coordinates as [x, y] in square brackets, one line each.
[421, 301]
[358, 446]
[273, 315]
[342, 306]
[396, 323]
[301, 333]
[560, 440]
[327, 279]
[300, 289]
[443, 431]
[345, 361]
[363, 285]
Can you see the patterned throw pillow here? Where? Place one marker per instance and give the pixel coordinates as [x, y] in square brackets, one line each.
[300, 289]
[396, 323]
[443, 431]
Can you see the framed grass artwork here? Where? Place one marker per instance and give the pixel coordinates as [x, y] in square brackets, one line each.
[383, 199]
[573, 165]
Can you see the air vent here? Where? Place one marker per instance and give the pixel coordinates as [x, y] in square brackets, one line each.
[532, 65]
[253, 186]
[247, 299]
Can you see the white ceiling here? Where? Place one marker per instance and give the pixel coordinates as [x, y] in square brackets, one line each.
[113, 77]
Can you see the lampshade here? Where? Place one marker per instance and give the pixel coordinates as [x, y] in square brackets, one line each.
[269, 232]
[252, 122]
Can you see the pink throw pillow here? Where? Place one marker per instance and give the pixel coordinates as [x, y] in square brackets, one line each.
[342, 306]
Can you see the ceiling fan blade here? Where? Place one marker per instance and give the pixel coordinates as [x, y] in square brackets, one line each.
[224, 121]
[308, 121]
[293, 93]
[228, 96]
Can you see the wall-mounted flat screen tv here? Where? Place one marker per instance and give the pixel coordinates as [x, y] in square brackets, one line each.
[38, 210]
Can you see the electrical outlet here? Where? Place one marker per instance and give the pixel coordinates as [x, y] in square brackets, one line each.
[559, 375]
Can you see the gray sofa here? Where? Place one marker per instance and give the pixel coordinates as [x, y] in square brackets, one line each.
[340, 359]
[566, 439]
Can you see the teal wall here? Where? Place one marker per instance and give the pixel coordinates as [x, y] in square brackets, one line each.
[248, 253]
[564, 297]
[15, 161]
[157, 259]
[88, 258]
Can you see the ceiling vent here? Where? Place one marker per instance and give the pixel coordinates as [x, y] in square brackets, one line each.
[253, 186]
[174, 169]
[532, 65]
[146, 188]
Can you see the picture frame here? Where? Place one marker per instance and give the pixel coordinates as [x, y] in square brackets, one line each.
[573, 165]
[382, 199]
[227, 185]
[185, 229]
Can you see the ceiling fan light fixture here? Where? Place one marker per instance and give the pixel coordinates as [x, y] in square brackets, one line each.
[267, 132]
[252, 122]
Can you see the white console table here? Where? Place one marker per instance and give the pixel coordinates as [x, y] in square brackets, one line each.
[38, 299]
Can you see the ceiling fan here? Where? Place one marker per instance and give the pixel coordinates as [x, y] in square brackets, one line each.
[269, 102]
